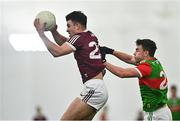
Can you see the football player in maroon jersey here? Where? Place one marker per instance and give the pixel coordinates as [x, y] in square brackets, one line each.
[85, 46]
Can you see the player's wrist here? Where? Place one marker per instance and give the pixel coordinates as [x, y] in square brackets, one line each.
[111, 51]
[108, 50]
[54, 29]
[41, 34]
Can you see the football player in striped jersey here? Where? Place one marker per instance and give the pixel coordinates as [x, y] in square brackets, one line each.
[152, 78]
[84, 44]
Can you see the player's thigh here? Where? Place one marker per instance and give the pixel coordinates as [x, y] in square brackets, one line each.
[90, 117]
[79, 110]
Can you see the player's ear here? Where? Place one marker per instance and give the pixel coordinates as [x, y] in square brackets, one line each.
[77, 26]
[146, 53]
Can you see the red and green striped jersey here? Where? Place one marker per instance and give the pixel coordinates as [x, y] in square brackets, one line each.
[153, 84]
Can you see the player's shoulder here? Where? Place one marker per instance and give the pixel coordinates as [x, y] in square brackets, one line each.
[144, 65]
[82, 36]
[150, 62]
[75, 37]
[86, 33]
[144, 62]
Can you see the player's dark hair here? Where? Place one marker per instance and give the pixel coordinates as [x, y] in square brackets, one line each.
[77, 16]
[148, 45]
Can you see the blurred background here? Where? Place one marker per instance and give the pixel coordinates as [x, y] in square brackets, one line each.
[30, 76]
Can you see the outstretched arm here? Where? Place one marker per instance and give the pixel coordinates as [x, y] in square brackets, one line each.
[54, 49]
[125, 57]
[120, 55]
[122, 72]
[59, 39]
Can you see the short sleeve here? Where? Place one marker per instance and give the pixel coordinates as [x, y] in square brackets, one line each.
[144, 69]
[74, 42]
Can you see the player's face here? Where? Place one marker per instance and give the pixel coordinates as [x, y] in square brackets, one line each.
[140, 53]
[71, 28]
[173, 92]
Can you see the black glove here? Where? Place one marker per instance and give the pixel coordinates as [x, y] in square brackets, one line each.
[106, 50]
[103, 72]
[103, 57]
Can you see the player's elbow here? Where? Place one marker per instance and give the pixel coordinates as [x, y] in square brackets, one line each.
[55, 56]
[55, 53]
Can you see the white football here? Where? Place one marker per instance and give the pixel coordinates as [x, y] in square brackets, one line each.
[48, 18]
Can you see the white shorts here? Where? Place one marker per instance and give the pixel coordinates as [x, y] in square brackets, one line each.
[162, 113]
[94, 93]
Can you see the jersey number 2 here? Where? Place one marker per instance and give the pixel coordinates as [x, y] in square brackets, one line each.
[92, 54]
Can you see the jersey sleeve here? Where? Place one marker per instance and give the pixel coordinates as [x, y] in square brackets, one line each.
[144, 69]
[74, 42]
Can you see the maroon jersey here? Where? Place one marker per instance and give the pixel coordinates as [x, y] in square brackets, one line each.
[87, 54]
